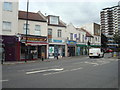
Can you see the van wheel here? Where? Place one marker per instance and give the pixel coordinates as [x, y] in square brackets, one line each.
[102, 55]
[99, 55]
[90, 57]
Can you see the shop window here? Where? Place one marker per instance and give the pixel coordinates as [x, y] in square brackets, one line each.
[6, 26]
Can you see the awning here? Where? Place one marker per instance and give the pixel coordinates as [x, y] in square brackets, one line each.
[82, 45]
[36, 43]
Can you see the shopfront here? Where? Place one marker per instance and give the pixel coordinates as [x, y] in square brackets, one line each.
[81, 49]
[56, 48]
[14, 47]
[71, 48]
[36, 47]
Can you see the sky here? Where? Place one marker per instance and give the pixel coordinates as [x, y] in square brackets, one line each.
[77, 12]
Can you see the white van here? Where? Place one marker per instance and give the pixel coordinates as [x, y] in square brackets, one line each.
[96, 52]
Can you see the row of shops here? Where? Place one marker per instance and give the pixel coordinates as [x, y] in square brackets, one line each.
[38, 48]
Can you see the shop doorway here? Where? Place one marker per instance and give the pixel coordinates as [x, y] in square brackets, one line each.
[42, 52]
[71, 51]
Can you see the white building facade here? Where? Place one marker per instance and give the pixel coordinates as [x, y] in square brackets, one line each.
[36, 35]
[9, 11]
[56, 37]
[94, 30]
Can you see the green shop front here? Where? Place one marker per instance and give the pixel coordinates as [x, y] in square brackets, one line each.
[56, 48]
[81, 49]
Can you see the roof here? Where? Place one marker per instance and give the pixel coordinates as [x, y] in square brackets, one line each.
[60, 24]
[31, 16]
[87, 33]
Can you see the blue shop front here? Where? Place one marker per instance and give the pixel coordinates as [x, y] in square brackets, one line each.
[71, 48]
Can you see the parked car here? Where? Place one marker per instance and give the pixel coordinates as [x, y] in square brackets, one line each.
[109, 50]
[96, 52]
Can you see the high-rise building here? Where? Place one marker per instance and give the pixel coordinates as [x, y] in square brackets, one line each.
[110, 23]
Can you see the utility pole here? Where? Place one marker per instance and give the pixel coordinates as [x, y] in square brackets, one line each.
[26, 49]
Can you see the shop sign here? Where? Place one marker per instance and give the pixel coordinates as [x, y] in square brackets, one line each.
[71, 42]
[57, 41]
[33, 39]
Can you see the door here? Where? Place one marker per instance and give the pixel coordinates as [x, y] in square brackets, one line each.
[10, 53]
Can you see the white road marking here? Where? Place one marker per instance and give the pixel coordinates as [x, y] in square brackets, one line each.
[4, 80]
[76, 69]
[39, 68]
[92, 63]
[63, 71]
[45, 71]
[55, 72]
[78, 63]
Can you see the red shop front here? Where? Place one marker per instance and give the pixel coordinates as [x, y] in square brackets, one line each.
[36, 47]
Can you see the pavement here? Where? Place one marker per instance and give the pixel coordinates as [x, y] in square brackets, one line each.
[52, 59]
[40, 60]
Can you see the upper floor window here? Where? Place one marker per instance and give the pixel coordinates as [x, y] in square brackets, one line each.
[54, 20]
[7, 6]
[49, 31]
[83, 38]
[89, 38]
[24, 29]
[37, 30]
[59, 33]
[6, 26]
[79, 37]
[71, 36]
[95, 38]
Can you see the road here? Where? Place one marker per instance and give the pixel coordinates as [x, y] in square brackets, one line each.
[73, 72]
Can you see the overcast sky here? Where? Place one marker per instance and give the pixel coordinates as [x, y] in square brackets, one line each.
[77, 12]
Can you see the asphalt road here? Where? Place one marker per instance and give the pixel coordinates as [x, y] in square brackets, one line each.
[73, 72]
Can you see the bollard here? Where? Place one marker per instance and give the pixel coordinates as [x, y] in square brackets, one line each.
[42, 59]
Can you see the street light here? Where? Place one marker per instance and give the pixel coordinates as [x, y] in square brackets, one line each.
[26, 31]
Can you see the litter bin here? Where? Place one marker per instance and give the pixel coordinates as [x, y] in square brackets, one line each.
[114, 54]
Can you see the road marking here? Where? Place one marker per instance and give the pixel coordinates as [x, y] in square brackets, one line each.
[78, 63]
[62, 71]
[40, 68]
[55, 72]
[4, 80]
[45, 70]
[92, 63]
[76, 69]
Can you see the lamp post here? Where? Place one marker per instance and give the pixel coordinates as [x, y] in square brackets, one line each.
[26, 31]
